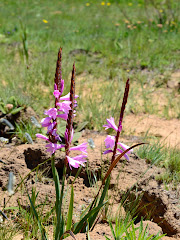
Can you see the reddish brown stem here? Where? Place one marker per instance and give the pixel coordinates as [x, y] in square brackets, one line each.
[69, 125]
[126, 92]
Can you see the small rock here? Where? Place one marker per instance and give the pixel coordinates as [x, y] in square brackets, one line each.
[9, 106]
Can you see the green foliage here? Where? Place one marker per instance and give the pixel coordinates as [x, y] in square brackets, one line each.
[25, 132]
[10, 106]
[159, 154]
[125, 229]
[119, 42]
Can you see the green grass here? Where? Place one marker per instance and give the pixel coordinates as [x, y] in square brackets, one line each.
[168, 158]
[116, 42]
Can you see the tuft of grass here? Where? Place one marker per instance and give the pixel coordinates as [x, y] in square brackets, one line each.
[161, 155]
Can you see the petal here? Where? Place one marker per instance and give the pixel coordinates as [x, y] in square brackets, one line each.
[72, 162]
[107, 151]
[109, 141]
[67, 97]
[55, 86]
[81, 158]
[52, 147]
[82, 147]
[125, 155]
[64, 106]
[62, 86]
[124, 146]
[38, 135]
[111, 124]
[63, 116]
[45, 122]
[52, 112]
[56, 93]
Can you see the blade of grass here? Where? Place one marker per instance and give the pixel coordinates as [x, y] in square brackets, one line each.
[41, 228]
[70, 211]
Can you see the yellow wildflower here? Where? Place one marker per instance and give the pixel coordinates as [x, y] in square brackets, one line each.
[102, 3]
[87, 4]
[161, 11]
[45, 21]
[127, 70]
[130, 4]
[108, 4]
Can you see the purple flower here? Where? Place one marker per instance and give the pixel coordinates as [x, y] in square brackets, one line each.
[109, 141]
[64, 106]
[51, 126]
[56, 93]
[52, 147]
[66, 135]
[52, 113]
[67, 97]
[76, 161]
[45, 122]
[124, 146]
[82, 147]
[111, 124]
[38, 135]
[63, 116]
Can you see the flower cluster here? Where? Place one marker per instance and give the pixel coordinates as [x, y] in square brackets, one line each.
[110, 140]
[63, 109]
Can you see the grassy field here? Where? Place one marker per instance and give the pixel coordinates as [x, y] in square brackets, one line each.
[109, 42]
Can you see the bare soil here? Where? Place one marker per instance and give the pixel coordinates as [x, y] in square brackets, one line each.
[130, 180]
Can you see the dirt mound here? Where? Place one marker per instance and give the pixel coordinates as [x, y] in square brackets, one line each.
[166, 130]
[133, 179]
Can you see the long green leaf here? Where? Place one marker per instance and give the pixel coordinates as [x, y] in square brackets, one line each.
[93, 218]
[88, 215]
[70, 211]
[41, 228]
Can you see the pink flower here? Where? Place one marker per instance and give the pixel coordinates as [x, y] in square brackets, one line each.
[111, 124]
[45, 122]
[51, 126]
[64, 106]
[67, 97]
[124, 146]
[63, 116]
[76, 161]
[66, 135]
[52, 147]
[56, 93]
[82, 147]
[120, 150]
[109, 141]
[52, 113]
[38, 135]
